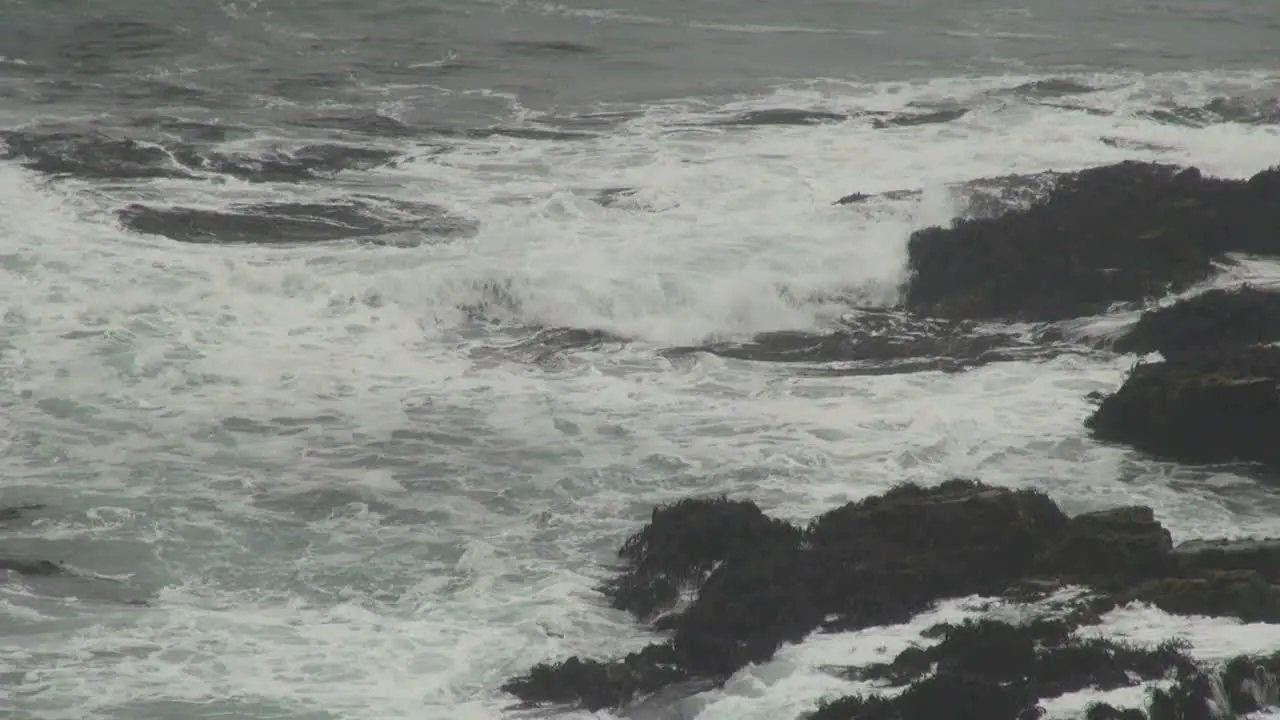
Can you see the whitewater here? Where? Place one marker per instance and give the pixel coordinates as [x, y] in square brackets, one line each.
[332, 481]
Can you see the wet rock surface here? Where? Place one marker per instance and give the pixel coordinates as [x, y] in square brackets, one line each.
[877, 342]
[50, 578]
[759, 583]
[180, 150]
[373, 220]
[997, 670]
[1220, 319]
[1120, 233]
[1214, 406]
[981, 197]
[18, 565]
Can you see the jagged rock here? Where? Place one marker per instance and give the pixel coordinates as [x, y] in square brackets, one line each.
[765, 582]
[1120, 233]
[1217, 319]
[749, 607]
[762, 582]
[596, 684]
[1210, 407]
[684, 542]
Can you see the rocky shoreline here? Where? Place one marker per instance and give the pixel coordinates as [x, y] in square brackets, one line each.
[760, 583]
[1126, 235]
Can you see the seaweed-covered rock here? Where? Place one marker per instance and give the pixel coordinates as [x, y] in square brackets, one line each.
[1124, 543]
[1246, 684]
[1219, 318]
[1215, 406]
[1000, 671]
[887, 557]
[747, 609]
[1118, 233]
[762, 582]
[1037, 660]
[1244, 594]
[1260, 555]
[596, 684]
[681, 545]
[944, 695]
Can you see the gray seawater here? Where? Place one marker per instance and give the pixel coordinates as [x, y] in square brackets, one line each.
[319, 465]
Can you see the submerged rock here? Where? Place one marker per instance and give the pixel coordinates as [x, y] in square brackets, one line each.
[880, 342]
[1120, 233]
[1208, 407]
[983, 197]
[761, 583]
[359, 217]
[1219, 318]
[16, 511]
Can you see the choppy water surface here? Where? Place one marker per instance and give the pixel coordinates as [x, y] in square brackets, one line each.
[273, 274]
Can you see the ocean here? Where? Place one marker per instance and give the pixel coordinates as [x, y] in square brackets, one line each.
[334, 335]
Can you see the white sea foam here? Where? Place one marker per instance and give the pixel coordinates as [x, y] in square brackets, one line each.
[342, 510]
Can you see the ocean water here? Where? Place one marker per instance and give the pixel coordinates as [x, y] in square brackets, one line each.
[322, 467]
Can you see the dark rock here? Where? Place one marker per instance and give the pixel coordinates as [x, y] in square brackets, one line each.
[887, 557]
[932, 117]
[872, 341]
[1010, 667]
[37, 568]
[1124, 542]
[684, 542]
[1211, 407]
[945, 695]
[1246, 684]
[548, 346]
[801, 116]
[762, 583]
[90, 155]
[1042, 658]
[765, 582]
[1244, 594]
[1215, 319]
[1120, 233]
[750, 605]
[597, 685]
[14, 512]
[365, 218]
[779, 116]
[1258, 555]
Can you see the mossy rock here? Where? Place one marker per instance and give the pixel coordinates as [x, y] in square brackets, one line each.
[1116, 545]
[1217, 406]
[1242, 594]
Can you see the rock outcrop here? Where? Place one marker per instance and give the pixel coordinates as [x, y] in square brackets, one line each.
[1000, 671]
[881, 342]
[1218, 319]
[1214, 406]
[1115, 234]
[761, 582]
